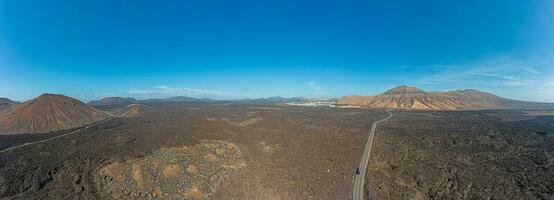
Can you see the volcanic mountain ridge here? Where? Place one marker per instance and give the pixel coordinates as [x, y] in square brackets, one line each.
[106, 101]
[407, 97]
[6, 105]
[133, 110]
[49, 112]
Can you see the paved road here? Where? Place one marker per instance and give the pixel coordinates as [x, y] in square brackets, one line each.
[360, 178]
[59, 136]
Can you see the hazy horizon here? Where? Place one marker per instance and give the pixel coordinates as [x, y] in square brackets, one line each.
[170, 94]
[249, 49]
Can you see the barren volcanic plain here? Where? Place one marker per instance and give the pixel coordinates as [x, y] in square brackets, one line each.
[214, 150]
[492, 154]
[230, 150]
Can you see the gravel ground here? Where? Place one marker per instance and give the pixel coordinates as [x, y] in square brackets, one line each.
[463, 155]
[288, 152]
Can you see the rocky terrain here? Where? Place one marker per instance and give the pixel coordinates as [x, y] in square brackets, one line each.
[285, 153]
[463, 155]
[406, 97]
[189, 172]
[49, 112]
[187, 150]
[134, 110]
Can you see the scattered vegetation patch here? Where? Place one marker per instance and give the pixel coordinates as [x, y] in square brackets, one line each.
[190, 172]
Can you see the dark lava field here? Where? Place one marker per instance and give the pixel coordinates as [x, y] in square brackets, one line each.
[264, 151]
[282, 152]
[500, 154]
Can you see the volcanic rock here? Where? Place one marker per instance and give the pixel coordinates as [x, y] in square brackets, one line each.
[134, 110]
[407, 97]
[189, 172]
[49, 112]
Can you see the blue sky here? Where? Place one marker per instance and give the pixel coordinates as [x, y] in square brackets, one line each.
[238, 49]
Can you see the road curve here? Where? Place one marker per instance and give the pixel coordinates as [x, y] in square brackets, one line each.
[59, 136]
[358, 193]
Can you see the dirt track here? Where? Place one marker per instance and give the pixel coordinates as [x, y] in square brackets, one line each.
[54, 137]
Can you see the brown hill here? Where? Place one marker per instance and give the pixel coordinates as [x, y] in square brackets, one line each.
[108, 101]
[406, 97]
[404, 90]
[49, 112]
[6, 105]
[133, 110]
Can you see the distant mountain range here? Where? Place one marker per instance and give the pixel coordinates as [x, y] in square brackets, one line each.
[276, 99]
[123, 101]
[49, 112]
[52, 112]
[112, 101]
[406, 97]
[6, 105]
[176, 99]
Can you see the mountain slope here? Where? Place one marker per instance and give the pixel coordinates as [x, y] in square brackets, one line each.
[406, 97]
[49, 112]
[6, 105]
[133, 110]
[109, 101]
